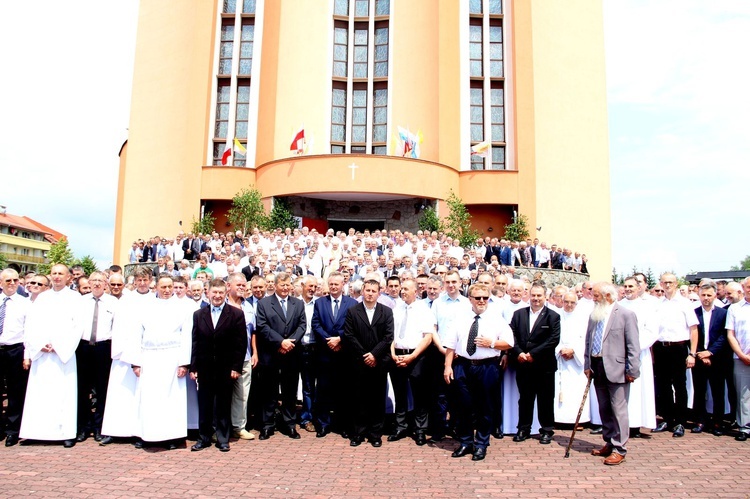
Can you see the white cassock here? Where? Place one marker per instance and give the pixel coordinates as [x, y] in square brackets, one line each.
[163, 343]
[192, 387]
[121, 409]
[50, 409]
[642, 403]
[570, 381]
[510, 387]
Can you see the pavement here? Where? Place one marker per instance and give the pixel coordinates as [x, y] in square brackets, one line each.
[694, 466]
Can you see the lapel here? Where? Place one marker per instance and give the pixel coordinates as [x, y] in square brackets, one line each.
[377, 316]
[206, 311]
[328, 305]
[223, 317]
[277, 307]
[539, 320]
[710, 327]
[612, 319]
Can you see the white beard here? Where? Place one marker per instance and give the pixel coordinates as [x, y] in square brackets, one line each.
[600, 312]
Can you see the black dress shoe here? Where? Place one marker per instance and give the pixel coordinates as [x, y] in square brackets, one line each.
[344, 434]
[223, 447]
[171, 445]
[521, 436]
[106, 440]
[397, 436]
[321, 433]
[82, 436]
[376, 442]
[741, 437]
[420, 439]
[265, 434]
[354, 442]
[138, 444]
[596, 430]
[698, 428]
[293, 433]
[660, 427]
[478, 454]
[11, 441]
[98, 436]
[498, 434]
[26, 442]
[679, 431]
[717, 431]
[200, 445]
[69, 443]
[462, 451]
[545, 439]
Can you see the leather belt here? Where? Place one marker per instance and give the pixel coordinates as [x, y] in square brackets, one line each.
[403, 351]
[673, 343]
[479, 362]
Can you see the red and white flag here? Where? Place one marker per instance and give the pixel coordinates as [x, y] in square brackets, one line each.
[298, 142]
[227, 152]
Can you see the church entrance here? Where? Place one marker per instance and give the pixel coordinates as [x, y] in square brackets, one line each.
[357, 225]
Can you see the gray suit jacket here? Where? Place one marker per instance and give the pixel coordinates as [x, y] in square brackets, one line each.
[620, 348]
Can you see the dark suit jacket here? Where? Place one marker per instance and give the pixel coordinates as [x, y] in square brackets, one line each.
[540, 342]
[194, 246]
[272, 328]
[506, 256]
[717, 334]
[221, 349]
[361, 337]
[621, 349]
[249, 272]
[323, 325]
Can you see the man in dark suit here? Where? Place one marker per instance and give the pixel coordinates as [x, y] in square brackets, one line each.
[713, 358]
[251, 269]
[368, 333]
[332, 383]
[612, 358]
[192, 247]
[280, 324]
[218, 354]
[536, 330]
[506, 254]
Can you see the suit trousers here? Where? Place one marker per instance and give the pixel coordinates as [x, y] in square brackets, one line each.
[742, 384]
[703, 376]
[307, 374]
[535, 385]
[283, 372]
[439, 390]
[669, 373]
[240, 396]
[331, 391]
[474, 388]
[410, 392]
[13, 381]
[215, 387]
[613, 407]
[369, 391]
[93, 363]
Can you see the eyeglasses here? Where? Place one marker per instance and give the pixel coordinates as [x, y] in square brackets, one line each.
[658, 291]
[8, 281]
[35, 283]
[481, 298]
[115, 284]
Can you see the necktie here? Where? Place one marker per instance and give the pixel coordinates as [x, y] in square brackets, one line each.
[596, 348]
[402, 331]
[335, 308]
[471, 347]
[283, 307]
[429, 303]
[94, 322]
[215, 313]
[2, 313]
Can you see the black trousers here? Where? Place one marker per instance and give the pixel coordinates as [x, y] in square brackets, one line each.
[703, 376]
[474, 389]
[331, 391]
[369, 387]
[13, 381]
[93, 363]
[215, 388]
[669, 373]
[284, 372]
[411, 393]
[535, 385]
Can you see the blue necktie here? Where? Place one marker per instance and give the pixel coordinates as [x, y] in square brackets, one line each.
[335, 309]
[2, 313]
[283, 307]
[596, 348]
[215, 313]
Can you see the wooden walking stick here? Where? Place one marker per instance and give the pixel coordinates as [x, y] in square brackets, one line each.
[578, 418]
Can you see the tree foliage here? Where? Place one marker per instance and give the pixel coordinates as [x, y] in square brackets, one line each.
[429, 221]
[3, 261]
[281, 216]
[744, 264]
[205, 225]
[88, 264]
[247, 210]
[458, 223]
[518, 230]
[60, 252]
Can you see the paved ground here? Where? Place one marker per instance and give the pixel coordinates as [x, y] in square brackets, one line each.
[694, 466]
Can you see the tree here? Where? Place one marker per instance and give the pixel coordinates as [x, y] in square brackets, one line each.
[281, 216]
[88, 264]
[205, 225]
[744, 264]
[616, 278]
[429, 221]
[247, 210]
[60, 252]
[458, 223]
[3, 262]
[518, 230]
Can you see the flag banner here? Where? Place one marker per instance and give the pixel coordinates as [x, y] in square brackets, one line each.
[482, 149]
[408, 143]
[227, 152]
[298, 142]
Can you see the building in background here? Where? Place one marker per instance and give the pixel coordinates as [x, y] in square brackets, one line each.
[25, 242]
[399, 102]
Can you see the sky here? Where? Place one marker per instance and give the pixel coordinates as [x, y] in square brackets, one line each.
[678, 106]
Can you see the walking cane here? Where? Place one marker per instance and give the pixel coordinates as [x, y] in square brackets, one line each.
[578, 418]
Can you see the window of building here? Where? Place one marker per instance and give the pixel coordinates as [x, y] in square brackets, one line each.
[496, 7]
[340, 49]
[248, 7]
[382, 7]
[359, 115]
[360, 50]
[341, 8]
[498, 114]
[247, 37]
[475, 6]
[229, 7]
[380, 114]
[475, 48]
[496, 50]
[222, 110]
[227, 47]
[477, 112]
[338, 115]
[361, 8]
[381, 50]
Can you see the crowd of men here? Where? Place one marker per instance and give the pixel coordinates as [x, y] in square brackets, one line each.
[355, 326]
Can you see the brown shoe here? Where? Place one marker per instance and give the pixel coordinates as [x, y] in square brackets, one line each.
[603, 452]
[614, 459]
[308, 426]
